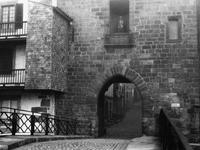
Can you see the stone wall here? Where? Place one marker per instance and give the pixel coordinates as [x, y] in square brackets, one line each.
[169, 70]
[60, 52]
[39, 39]
[47, 48]
[33, 99]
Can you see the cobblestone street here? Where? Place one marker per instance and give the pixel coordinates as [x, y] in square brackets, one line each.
[130, 127]
[80, 144]
[117, 138]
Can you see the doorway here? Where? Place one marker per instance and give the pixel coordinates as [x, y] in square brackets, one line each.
[119, 109]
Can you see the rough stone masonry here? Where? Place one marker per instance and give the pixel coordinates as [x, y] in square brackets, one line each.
[165, 71]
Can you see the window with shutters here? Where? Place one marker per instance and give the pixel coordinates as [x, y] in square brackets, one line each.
[8, 16]
[173, 30]
[12, 16]
[19, 16]
[10, 103]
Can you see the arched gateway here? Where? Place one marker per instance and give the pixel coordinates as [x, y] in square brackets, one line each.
[127, 75]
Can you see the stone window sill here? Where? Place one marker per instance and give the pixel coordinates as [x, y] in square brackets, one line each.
[122, 40]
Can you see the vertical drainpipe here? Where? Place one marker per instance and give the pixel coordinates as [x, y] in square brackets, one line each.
[198, 43]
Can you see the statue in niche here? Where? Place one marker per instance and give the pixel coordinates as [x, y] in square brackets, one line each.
[120, 27]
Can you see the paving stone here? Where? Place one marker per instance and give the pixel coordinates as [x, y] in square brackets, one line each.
[129, 128]
[144, 143]
[84, 144]
[119, 137]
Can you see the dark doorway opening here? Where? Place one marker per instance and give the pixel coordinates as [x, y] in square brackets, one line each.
[119, 109]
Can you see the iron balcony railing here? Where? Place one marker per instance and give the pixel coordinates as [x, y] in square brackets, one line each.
[171, 136]
[13, 30]
[12, 76]
[15, 121]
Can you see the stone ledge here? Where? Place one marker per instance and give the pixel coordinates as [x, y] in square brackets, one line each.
[119, 40]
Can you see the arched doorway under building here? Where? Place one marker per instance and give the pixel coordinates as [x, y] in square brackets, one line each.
[99, 86]
[119, 108]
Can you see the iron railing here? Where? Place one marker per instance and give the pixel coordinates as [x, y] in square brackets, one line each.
[14, 121]
[171, 136]
[12, 76]
[13, 29]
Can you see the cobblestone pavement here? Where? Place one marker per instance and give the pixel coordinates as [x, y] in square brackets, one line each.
[80, 144]
[117, 138]
[130, 127]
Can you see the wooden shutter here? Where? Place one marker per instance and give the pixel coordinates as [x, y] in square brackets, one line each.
[19, 16]
[6, 60]
[9, 60]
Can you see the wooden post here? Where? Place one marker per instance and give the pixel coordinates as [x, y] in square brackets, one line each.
[90, 127]
[46, 124]
[75, 124]
[32, 124]
[57, 119]
[14, 122]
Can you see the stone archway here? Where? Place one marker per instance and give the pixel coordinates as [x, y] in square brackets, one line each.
[103, 77]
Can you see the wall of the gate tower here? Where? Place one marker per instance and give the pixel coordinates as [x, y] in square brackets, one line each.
[160, 45]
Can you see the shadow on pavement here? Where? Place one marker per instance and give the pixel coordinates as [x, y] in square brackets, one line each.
[129, 127]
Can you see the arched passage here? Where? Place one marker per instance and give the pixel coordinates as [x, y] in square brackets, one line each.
[103, 80]
[128, 113]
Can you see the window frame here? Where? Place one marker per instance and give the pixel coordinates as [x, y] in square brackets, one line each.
[8, 25]
[10, 99]
[179, 28]
[18, 14]
[9, 6]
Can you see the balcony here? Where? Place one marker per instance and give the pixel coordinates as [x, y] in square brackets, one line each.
[15, 77]
[13, 30]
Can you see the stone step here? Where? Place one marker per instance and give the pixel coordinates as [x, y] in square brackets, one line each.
[144, 143]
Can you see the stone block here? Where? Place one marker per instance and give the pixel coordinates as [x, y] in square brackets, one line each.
[45, 102]
[46, 33]
[147, 62]
[39, 109]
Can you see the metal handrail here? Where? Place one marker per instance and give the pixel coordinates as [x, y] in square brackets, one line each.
[171, 136]
[12, 76]
[34, 113]
[22, 121]
[9, 29]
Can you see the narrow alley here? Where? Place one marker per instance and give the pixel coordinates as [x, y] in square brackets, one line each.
[130, 127]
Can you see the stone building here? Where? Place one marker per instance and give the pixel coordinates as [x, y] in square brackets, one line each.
[152, 44]
[33, 45]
